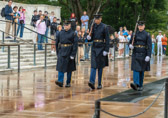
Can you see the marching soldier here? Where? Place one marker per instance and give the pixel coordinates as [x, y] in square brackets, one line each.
[142, 47]
[99, 52]
[66, 47]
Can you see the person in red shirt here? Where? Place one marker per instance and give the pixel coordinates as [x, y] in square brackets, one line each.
[164, 43]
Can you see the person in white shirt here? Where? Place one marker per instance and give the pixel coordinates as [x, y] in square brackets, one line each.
[52, 16]
[121, 30]
[159, 43]
[121, 45]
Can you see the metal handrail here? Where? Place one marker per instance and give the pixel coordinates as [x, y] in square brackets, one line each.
[9, 45]
[28, 29]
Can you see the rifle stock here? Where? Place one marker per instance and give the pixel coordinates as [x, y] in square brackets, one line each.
[135, 30]
[94, 20]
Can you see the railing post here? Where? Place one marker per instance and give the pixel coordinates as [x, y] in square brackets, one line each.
[166, 100]
[14, 32]
[97, 109]
[45, 56]
[3, 40]
[34, 54]
[8, 57]
[18, 58]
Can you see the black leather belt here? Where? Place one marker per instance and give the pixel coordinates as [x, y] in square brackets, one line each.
[97, 41]
[66, 45]
[140, 46]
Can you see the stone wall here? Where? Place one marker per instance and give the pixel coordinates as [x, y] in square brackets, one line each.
[29, 12]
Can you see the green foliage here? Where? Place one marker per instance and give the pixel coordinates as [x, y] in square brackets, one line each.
[118, 12]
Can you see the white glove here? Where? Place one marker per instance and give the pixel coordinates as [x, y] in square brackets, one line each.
[88, 37]
[105, 53]
[147, 59]
[71, 57]
[131, 46]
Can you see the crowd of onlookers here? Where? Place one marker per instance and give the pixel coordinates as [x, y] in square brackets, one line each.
[15, 18]
[161, 41]
[43, 23]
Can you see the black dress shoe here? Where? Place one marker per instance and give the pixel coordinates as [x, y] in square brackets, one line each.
[134, 86]
[91, 85]
[68, 85]
[60, 84]
[140, 88]
[99, 87]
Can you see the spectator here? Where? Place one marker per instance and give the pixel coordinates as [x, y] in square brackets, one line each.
[80, 45]
[130, 34]
[77, 29]
[74, 22]
[8, 17]
[53, 33]
[59, 28]
[159, 43]
[21, 21]
[153, 44]
[47, 21]
[34, 19]
[15, 20]
[87, 47]
[125, 29]
[84, 36]
[85, 20]
[41, 29]
[39, 14]
[52, 16]
[111, 52]
[121, 44]
[121, 30]
[116, 39]
[127, 39]
[164, 44]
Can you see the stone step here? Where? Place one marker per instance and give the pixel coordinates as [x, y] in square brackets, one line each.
[23, 53]
[27, 60]
[22, 49]
[14, 69]
[23, 64]
[27, 56]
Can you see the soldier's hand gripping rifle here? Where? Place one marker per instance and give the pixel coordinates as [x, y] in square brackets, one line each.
[135, 30]
[91, 28]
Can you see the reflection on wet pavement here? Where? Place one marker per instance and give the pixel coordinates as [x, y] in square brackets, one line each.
[33, 94]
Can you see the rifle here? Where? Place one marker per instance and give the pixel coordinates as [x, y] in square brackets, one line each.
[135, 30]
[94, 20]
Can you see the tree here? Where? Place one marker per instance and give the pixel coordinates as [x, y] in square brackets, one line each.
[78, 6]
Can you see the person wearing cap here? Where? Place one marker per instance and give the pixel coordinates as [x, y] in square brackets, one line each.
[66, 48]
[39, 14]
[159, 43]
[127, 40]
[48, 23]
[142, 49]
[99, 52]
[34, 19]
[53, 30]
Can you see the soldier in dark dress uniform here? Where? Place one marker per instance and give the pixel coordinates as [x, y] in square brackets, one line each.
[141, 55]
[66, 47]
[99, 51]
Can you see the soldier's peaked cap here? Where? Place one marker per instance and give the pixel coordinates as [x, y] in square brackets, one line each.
[97, 16]
[140, 23]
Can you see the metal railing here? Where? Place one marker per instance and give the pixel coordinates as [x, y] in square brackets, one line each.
[9, 45]
[115, 46]
[165, 85]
